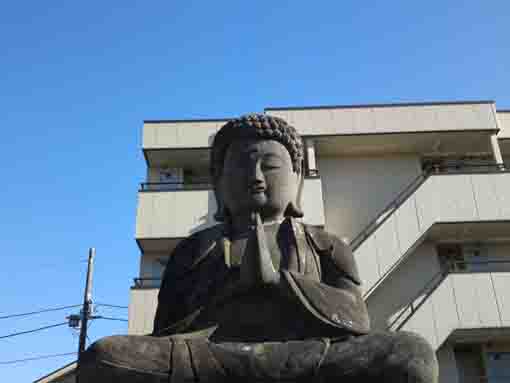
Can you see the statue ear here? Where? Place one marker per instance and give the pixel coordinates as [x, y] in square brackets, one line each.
[222, 213]
[294, 208]
[220, 205]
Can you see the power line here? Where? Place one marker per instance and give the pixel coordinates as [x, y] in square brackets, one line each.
[110, 305]
[36, 358]
[34, 330]
[110, 318]
[38, 312]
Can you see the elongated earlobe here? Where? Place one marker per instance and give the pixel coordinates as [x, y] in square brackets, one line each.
[220, 214]
[294, 208]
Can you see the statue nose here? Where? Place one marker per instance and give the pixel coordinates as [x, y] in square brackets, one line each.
[256, 176]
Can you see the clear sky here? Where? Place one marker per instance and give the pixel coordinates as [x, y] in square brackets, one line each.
[78, 79]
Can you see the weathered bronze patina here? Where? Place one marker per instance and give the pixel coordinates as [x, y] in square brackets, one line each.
[262, 296]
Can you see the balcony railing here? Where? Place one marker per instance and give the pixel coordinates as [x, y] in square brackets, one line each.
[385, 213]
[450, 267]
[197, 183]
[146, 283]
[204, 184]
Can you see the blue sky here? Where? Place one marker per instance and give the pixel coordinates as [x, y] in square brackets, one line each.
[77, 80]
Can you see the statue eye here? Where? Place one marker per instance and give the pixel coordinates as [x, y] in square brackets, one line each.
[271, 165]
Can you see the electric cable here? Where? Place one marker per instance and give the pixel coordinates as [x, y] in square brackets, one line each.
[38, 312]
[110, 318]
[36, 358]
[110, 305]
[34, 330]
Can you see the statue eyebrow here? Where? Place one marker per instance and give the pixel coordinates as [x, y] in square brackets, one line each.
[272, 155]
[252, 151]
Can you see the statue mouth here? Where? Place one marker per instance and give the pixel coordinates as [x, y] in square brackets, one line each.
[257, 189]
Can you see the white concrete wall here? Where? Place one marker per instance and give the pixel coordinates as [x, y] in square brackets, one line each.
[463, 301]
[390, 119]
[142, 309]
[419, 268]
[356, 189]
[402, 287]
[185, 134]
[313, 203]
[335, 121]
[504, 125]
[176, 214]
[441, 198]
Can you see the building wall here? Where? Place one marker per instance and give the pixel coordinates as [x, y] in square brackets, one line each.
[174, 214]
[142, 309]
[357, 188]
[440, 199]
[406, 284]
[403, 286]
[463, 301]
[177, 214]
[381, 119]
[183, 134]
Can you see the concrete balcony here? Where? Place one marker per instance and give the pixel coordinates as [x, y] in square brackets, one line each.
[445, 207]
[466, 305]
[451, 128]
[336, 120]
[390, 118]
[163, 217]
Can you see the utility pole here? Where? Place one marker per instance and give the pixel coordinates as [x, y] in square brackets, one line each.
[87, 305]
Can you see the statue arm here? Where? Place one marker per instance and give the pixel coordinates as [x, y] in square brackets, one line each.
[176, 285]
[338, 266]
[335, 300]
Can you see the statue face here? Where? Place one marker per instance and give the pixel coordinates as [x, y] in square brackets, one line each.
[258, 177]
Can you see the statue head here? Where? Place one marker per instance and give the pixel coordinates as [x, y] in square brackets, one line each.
[256, 166]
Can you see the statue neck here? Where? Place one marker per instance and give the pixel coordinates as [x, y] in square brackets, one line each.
[241, 224]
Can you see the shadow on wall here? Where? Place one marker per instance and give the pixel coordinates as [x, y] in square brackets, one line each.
[208, 219]
[400, 289]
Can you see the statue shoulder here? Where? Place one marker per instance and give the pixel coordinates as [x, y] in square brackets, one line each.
[192, 250]
[333, 251]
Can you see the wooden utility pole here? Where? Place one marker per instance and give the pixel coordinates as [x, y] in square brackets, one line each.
[87, 305]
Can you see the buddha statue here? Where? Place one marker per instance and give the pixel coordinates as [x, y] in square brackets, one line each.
[260, 296]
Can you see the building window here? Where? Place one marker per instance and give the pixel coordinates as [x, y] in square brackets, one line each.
[498, 367]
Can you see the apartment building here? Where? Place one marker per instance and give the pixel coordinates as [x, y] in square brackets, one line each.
[420, 191]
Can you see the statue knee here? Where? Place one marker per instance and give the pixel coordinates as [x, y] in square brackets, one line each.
[412, 359]
[100, 350]
[127, 356]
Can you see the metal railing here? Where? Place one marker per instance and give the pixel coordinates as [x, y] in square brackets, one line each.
[401, 197]
[197, 183]
[451, 267]
[175, 186]
[141, 283]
